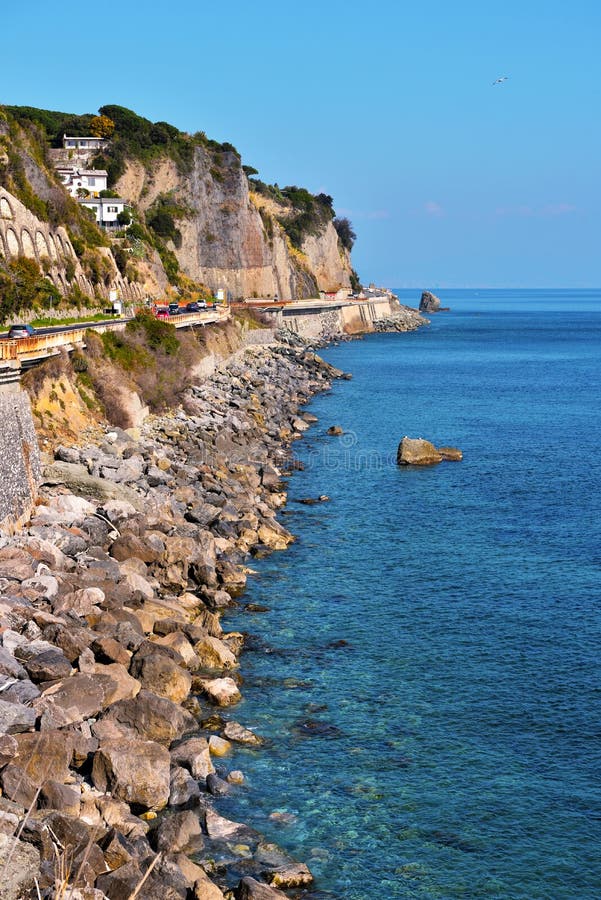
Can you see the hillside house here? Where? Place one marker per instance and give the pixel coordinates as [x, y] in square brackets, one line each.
[77, 181]
[84, 143]
[106, 210]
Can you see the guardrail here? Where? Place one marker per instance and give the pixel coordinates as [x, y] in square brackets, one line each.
[40, 345]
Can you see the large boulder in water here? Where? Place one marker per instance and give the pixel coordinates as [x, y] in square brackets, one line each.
[430, 303]
[417, 452]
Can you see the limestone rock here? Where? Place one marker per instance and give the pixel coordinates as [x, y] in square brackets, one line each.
[153, 666]
[289, 876]
[251, 889]
[147, 717]
[177, 831]
[220, 691]
[14, 717]
[133, 770]
[213, 653]
[417, 452]
[194, 754]
[19, 867]
[240, 735]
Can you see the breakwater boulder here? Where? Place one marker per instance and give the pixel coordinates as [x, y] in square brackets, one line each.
[419, 452]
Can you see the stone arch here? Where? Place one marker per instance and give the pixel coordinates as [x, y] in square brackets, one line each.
[12, 242]
[41, 244]
[3, 250]
[59, 244]
[52, 247]
[6, 210]
[27, 244]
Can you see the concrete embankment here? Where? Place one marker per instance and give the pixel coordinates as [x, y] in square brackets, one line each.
[316, 319]
[118, 686]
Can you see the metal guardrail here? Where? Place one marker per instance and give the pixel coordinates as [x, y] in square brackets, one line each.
[40, 345]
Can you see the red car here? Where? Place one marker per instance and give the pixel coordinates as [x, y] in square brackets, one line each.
[161, 312]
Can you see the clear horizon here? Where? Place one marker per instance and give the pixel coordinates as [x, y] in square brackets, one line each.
[447, 178]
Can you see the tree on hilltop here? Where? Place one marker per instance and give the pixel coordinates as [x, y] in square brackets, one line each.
[102, 126]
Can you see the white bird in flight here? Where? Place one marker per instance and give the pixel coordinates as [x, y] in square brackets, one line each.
[501, 80]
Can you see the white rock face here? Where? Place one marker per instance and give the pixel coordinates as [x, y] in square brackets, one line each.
[225, 241]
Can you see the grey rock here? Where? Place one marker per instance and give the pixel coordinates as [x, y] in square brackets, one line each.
[14, 717]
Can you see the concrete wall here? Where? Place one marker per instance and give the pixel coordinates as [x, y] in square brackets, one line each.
[315, 320]
[20, 456]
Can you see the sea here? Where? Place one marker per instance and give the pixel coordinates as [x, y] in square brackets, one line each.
[427, 668]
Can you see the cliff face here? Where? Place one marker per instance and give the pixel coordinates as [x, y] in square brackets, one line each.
[229, 238]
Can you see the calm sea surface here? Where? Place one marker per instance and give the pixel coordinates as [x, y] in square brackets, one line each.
[429, 672]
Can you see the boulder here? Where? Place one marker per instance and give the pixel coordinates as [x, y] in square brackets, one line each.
[19, 868]
[288, 876]
[71, 700]
[147, 717]
[76, 477]
[251, 889]
[213, 653]
[133, 770]
[178, 831]
[417, 452]
[218, 746]
[14, 717]
[220, 691]
[156, 669]
[15, 564]
[240, 735]
[183, 788]
[335, 430]
[47, 666]
[194, 754]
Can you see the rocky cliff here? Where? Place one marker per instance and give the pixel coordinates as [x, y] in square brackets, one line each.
[200, 221]
[230, 236]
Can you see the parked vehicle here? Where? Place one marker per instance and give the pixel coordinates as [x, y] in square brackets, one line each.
[174, 309]
[196, 306]
[16, 332]
[161, 312]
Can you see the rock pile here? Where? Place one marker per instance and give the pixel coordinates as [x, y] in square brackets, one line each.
[116, 678]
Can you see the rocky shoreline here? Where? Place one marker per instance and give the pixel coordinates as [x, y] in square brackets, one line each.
[118, 684]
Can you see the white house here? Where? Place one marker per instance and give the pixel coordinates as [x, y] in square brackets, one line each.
[84, 143]
[106, 210]
[75, 180]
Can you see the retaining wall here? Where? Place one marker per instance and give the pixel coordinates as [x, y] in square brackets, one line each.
[21, 472]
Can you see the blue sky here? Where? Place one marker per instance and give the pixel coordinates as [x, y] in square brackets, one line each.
[388, 106]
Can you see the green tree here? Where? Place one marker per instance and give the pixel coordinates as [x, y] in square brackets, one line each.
[346, 232]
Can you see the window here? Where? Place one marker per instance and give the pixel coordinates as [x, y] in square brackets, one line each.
[91, 181]
[112, 209]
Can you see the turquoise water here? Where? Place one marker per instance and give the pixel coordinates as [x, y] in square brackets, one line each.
[428, 671]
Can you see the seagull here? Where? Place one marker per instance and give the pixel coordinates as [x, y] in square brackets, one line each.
[501, 80]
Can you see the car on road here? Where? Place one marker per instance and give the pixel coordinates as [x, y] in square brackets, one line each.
[174, 309]
[161, 312]
[16, 332]
[196, 306]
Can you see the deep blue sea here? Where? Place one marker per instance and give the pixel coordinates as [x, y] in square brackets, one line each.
[429, 671]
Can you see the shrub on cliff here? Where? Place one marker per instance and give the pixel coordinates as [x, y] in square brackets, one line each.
[346, 233]
[23, 287]
[148, 357]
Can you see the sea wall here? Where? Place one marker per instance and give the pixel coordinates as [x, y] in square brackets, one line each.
[20, 459]
[318, 319]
